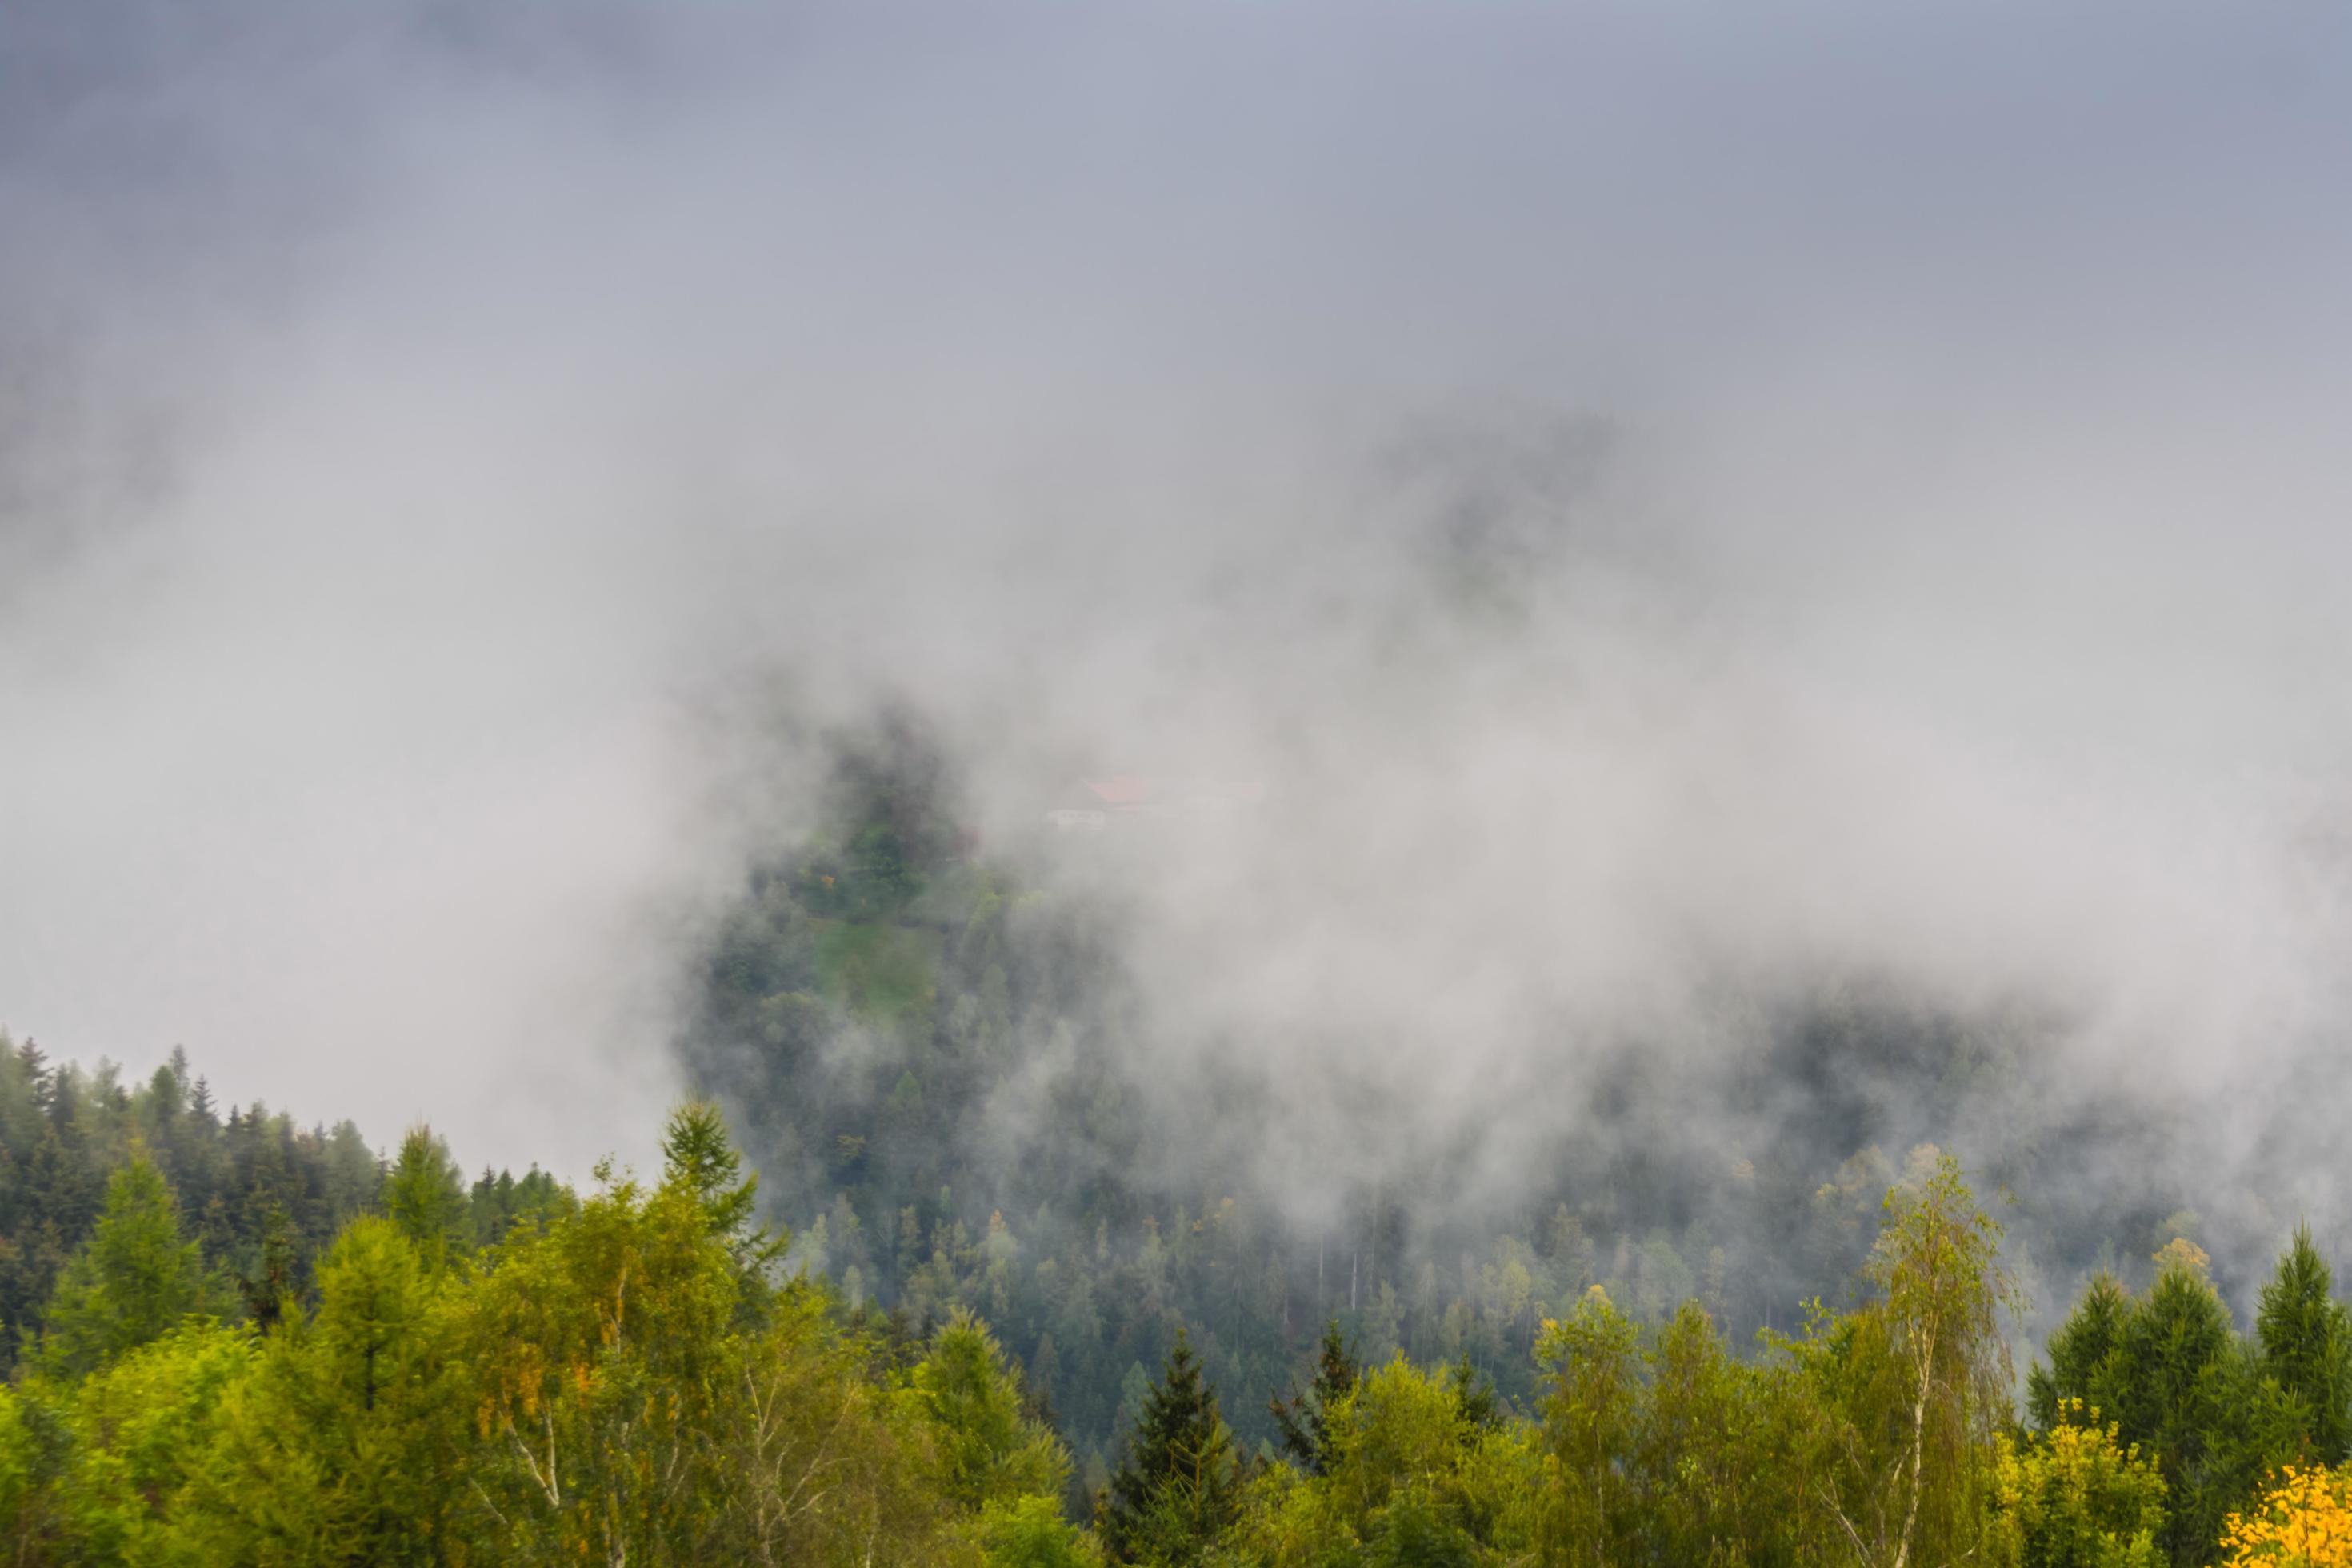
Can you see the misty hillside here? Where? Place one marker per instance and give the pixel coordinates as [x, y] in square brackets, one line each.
[932, 1050]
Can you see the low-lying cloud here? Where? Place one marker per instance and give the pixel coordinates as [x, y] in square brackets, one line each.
[1668, 506]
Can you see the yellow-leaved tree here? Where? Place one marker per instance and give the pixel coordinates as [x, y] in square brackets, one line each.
[2304, 1521]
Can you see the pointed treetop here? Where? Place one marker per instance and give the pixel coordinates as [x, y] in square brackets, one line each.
[700, 1158]
[425, 1194]
[2305, 1337]
[1175, 1489]
[134, 1279]
[1303, 1420]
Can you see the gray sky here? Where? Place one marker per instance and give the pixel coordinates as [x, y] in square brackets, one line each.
[419, 423]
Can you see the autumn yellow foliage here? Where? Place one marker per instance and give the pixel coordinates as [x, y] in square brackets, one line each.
[2305, 1521]
[2075, 1494]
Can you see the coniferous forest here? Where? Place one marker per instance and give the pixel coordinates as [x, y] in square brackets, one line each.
[837, 1326]
[317, 1356]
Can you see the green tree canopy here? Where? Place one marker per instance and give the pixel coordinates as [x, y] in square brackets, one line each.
[135, 1279]
[426, 1196]
[1302, 1421]
[699, 1158]
[991, 1450]
[2307, 1346]
[1173, 1492]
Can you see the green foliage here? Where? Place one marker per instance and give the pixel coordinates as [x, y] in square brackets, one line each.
[500, 1202]
[518, 1376]
[2305, 1337]
[600, 1351]
[2082, 1367]
[2072, 1496]
[698, 1158]
[258, 1197]
[822, 1464]
[1030, 1532]
[1302, 1421]
[1943, 1294]
[1591, 1421]
[2177, 1378]
[141, 1428]
[425, 1196]
[20, 1462]
[2214, 1413]
[991, 1450]
[1174, 1492]
[605, 1380]
[341, 1444]
[1712, 1459]
[135, 1279]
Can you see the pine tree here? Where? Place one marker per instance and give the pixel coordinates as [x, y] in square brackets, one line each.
[135, 1279]
[2177, 1394]
[425, 1196]
[2306, 1345]
[1302, 1422]
[1174, 1492]
[991, 1450]
[343, 1447]
[34, 1062]
[1475, 1389]
[699, 1157]
[166, 1094]
[2081, 1355]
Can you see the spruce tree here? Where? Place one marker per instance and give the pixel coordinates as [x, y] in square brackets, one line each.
[698, 1156]
[426, 1196]
[2179, 1392]
[1476, 1392]
[991, 1450]
[1303, 1420]
[2082, 1355]
[2307, 1346]
[1174, 1493]
[135, 1279]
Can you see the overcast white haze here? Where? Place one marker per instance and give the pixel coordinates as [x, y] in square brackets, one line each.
[1903, 457]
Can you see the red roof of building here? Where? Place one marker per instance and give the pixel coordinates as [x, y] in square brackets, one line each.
[1121, 789]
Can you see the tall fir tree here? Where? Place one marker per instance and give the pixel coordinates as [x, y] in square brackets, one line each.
[699, 1157]
[134, 1280]
[2178, 1391]
[2081, 1356]
[341, 1447]
[426, 1196]
[991, 1450]
[1175, 1491]
[2306, 1345]
[1303, 1420]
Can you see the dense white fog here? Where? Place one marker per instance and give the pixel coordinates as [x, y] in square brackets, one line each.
[1663, 499]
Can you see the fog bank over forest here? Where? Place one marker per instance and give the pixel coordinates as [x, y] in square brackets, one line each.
[1680, 514]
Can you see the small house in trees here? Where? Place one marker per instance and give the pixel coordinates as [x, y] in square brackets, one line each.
[1118, 800]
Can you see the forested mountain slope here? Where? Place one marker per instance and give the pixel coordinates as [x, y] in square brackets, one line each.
[937, 1055]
